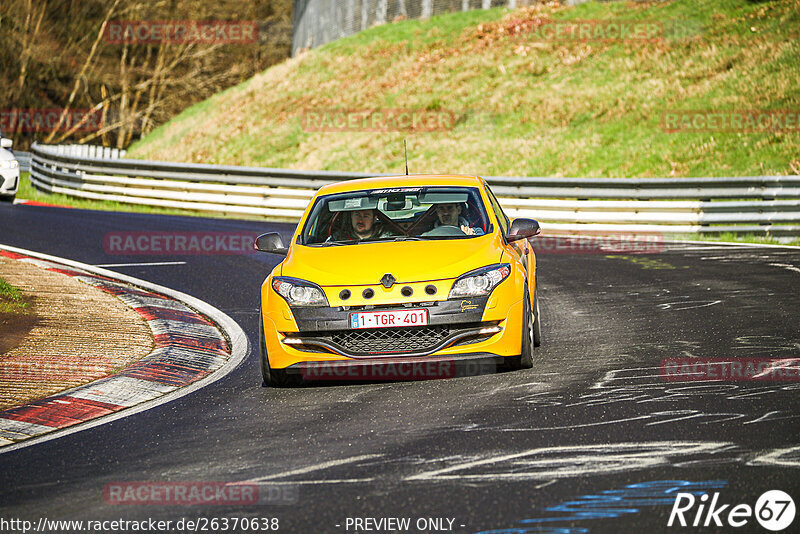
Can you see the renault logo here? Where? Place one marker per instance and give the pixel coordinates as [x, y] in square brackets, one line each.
[388, 280]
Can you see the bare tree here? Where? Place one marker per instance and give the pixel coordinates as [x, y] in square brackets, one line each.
[30, 31]
[79, 78]
[54, 55]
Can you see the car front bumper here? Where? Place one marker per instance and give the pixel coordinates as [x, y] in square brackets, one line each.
[460, 334]
[9, 181]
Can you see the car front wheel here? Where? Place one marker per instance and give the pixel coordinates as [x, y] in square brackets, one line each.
[537, 319]
[525, 359]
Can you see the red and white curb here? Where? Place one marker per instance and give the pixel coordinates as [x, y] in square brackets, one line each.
[195, 345]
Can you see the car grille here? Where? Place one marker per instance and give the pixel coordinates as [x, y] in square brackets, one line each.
[472, 339]
[390, 340]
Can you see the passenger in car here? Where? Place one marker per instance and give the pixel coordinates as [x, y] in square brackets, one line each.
[360, 225]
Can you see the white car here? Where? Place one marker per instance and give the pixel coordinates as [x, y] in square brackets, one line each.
[9, 172]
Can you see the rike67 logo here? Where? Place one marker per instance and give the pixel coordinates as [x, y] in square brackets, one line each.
[774, 510]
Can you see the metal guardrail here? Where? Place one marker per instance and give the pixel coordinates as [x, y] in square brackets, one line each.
[762, 204]
[24, 159]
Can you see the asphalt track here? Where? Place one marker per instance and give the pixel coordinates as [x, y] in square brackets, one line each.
[592, 439]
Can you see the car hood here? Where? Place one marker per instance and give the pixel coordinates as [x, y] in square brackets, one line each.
[407, 261]
[6, 155]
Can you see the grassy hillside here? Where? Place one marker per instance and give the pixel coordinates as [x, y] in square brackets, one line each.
[523, 104]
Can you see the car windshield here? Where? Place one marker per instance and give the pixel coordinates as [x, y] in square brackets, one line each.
[396, 214]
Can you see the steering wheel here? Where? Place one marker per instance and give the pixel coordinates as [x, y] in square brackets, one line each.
[445, 230]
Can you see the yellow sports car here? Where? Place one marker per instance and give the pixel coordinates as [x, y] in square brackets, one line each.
[405, 269]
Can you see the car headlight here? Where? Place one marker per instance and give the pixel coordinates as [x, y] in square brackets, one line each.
[299, 292]
[9, 164]
[480, 281]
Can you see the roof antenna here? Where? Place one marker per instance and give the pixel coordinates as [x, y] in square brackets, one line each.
[405, 151]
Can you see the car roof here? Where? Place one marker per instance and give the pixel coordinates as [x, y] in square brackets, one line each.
[413, 180]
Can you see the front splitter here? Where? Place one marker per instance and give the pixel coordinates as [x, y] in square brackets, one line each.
[400, 368]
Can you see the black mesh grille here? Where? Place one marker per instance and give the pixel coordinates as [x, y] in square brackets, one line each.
[390, 340]
[472, 339]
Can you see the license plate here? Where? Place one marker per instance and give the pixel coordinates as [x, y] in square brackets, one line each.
[389, 319]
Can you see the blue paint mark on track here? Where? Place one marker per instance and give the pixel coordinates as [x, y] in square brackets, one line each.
[610, 504]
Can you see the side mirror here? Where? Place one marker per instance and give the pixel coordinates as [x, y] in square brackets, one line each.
[5, 143]
[523, 229]
[270, 242]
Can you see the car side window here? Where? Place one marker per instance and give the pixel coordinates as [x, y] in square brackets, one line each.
[505, 224]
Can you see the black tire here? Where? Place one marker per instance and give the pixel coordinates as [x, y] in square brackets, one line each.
[8, 198]
[276, 378]
[525, 359]
[537, 319]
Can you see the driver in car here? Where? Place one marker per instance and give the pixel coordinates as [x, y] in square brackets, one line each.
[449, 214]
